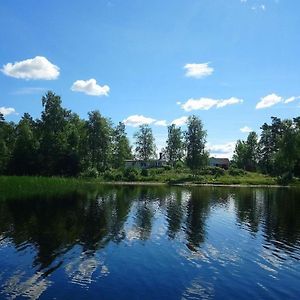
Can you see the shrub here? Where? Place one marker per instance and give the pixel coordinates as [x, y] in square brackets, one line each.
[216, 171]
[145, 173]
[113, 175]
[285, 178]
[236, 172]
[179, 165]
[167, 168]
[90, 172]
[131, 174]
[156, 171]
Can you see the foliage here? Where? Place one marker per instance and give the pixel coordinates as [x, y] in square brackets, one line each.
[236, 171]
[175, 146]
[145, 172]
[144, 141]
[131, 174]
[195, 139]
[216, 171]
[99, 137]
[246, 153]
[121, 148]
[60, 143]
[90, 172]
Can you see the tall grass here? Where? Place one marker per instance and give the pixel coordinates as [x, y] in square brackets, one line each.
[25, 186]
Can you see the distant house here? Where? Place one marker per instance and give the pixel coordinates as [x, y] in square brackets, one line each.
[219, 162]
[145, 164]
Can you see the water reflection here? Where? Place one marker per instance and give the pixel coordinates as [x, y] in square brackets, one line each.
[82, 238]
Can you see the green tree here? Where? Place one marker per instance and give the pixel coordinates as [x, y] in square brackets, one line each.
[7, 140]
[246, 153]
[24, 155]
[240, 154]
[53, 142]
[99, 136]
[175, 146]
[269, 145]
[121, 147]
[288, 149]
[195, 139]
[75, 154]
[145, 147]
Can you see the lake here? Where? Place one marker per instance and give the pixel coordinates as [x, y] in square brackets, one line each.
[146, 242]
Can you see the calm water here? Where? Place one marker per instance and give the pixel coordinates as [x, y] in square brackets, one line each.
[152, 243]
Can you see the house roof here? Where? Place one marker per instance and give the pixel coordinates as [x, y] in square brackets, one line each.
[140, 160]
[222, 161]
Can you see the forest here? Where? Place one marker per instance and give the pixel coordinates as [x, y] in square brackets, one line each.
[60, 143]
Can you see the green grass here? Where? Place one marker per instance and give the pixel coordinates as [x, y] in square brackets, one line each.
[246, 179]
[176, 176]
[26, 186]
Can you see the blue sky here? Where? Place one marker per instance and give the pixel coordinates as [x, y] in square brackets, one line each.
[233, 63]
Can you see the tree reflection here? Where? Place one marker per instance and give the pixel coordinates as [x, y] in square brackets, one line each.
[95, 218]
[197, 211]
[273, 211]
[175, 213]
[249, 207]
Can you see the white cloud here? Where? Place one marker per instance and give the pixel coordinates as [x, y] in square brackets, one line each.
[222, 150]
[7, 111]
[208, 103]
[198, 70]
[35, 68]
[229, 101]
[90, 87]
[246, 129]
[197, 104]
[180, 121]
[291, 99]
[137, 120]
[268, 101]
[161, 123]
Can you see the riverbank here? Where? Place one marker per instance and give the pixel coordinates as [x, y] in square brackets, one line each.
[18, 186]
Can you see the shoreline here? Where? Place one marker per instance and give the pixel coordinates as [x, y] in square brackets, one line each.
[190, 184]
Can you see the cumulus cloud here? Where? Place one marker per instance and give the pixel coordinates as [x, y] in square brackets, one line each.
[246, 129]
[208, 103]
[137, 120]
[180, 121]
[7, 111]
[230, 101]
[273, 99]
[90, 87]
[161, 123]
[268, 101]
[34, 68]
[291, 99]
[222, 150]
[198, 70]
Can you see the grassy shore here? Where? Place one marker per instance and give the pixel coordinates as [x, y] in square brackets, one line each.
[26, 186]
[20, 186]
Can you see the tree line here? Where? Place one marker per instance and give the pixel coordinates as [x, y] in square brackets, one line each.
[275, 152]
[61, 143]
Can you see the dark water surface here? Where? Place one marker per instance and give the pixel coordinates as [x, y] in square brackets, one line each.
[152, 243]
